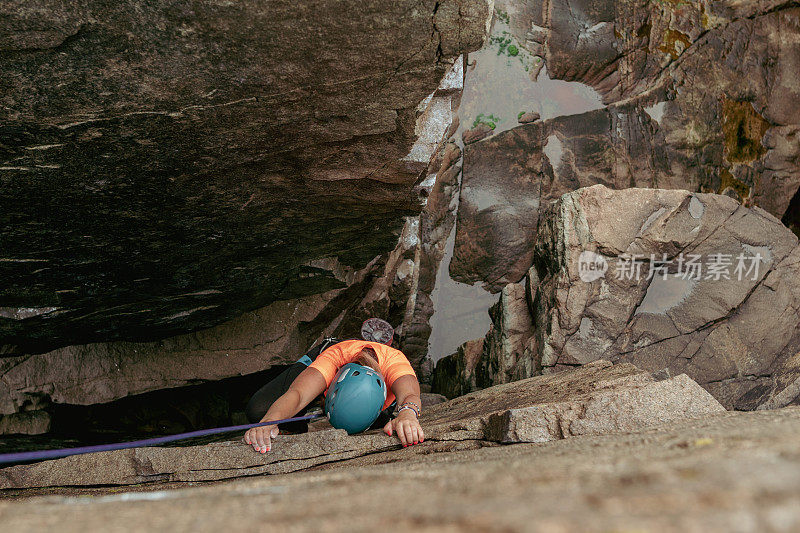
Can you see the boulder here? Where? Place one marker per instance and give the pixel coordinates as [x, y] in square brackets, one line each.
[508, 178]
[692, 283]
[636, 402]
[596, 399]
[166, 167]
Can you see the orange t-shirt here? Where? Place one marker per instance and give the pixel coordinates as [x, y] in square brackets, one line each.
[393, 363]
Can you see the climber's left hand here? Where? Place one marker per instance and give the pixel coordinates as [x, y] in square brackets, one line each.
[407, 428]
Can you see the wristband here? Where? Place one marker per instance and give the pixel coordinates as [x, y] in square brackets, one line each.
[404, 407]
[417, 409]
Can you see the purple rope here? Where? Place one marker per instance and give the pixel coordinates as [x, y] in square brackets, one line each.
[39, 455]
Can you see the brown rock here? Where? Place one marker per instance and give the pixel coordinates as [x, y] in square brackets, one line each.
[479, 132]
[152, 156]
[454, 375]
[498, 208]
[25, 423]
[507, 350]
[530, 116]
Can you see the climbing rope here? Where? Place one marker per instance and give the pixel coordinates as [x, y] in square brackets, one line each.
[39, 455]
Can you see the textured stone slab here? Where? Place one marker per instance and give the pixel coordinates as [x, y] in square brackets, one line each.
[637, 400]
[736, 471]
[194, 463]
[628, 404]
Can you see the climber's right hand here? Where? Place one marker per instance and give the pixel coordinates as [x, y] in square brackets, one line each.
[260, 438]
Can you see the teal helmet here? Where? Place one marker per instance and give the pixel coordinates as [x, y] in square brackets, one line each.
[355, 398]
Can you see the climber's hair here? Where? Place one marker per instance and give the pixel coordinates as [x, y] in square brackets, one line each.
[367, 357]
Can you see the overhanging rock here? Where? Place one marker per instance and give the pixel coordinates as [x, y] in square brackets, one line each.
[595, 399]
[166, 166]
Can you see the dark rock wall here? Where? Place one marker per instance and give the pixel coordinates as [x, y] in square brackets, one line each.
[165, 166]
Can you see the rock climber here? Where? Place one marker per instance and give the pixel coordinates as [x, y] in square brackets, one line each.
[363, 381]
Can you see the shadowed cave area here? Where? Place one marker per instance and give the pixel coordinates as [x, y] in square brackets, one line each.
[163, 412]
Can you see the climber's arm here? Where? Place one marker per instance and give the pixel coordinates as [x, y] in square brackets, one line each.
[406, 424]
[307, 386]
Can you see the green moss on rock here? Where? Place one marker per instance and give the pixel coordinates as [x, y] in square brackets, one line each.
[743, 128]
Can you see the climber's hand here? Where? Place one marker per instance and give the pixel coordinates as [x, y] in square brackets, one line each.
[407, 428]
[260, 438]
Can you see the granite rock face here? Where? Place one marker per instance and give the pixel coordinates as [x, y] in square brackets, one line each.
[164, 168]
[735, 471]
[671, 281]
[596, 399]
[691, 283]
[691, 103]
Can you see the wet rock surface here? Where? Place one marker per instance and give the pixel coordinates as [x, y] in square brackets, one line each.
[152, 156]
[690, 103]
[596, 399]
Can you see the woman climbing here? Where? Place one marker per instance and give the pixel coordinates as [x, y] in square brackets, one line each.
[362, 380]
